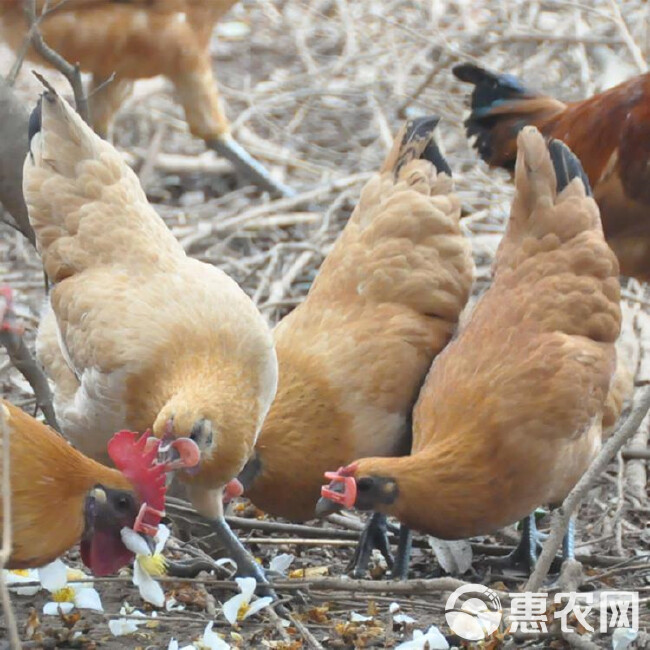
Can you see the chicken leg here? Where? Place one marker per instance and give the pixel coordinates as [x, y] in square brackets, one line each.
[247, 567]
[568, 541]
[375, 536]
[527, 551]
[404, 544]
[199, 95]
[245, 164]
[105, 97]
[246, 564]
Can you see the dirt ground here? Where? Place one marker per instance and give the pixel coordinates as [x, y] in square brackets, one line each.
[315, 90]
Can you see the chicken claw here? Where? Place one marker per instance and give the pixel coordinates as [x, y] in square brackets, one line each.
[375, 536]
[527, 551]
[246, 564]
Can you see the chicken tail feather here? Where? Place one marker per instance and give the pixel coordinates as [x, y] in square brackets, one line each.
[416, 142]
[566, 166]
[35, 121]
[553, 208]
[501, 105]
[544, 171]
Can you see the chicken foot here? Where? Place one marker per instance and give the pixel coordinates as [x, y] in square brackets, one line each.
[235, 550]
[248, 166]
[527, 551]
[375, 536]
[247, 567]
[404, 545]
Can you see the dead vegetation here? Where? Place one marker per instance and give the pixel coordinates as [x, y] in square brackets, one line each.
[315, 90]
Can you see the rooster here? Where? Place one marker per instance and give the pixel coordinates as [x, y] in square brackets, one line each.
[609, 133]
[51, 482]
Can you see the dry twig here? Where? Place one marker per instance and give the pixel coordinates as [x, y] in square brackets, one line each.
[402, 588]
[22, 359]
[635, 453]
[310, 639]
[71, 72]
[628, 39]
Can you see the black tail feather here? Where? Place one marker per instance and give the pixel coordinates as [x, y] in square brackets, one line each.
[421, 130]
[490, 87]
[566, 166]
[490, 91]
[35, 119]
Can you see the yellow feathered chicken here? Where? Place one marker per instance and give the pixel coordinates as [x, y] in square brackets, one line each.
[138, 334]
[121, 41]
[354, 354]
[511, 413]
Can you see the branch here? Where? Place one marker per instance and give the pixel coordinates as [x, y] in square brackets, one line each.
[403, 587]
[5, 551]
[14, 119]
[627, 37]
[71, 72]
[21, 358]
[636, 453]
[561, 516]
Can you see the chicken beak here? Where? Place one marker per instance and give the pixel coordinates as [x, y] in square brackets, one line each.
[340, 493]
[143, 528]
[95, 496]
[179, 453]
[151, 542]
[325, 507]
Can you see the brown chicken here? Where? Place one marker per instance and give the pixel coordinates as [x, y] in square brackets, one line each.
[609, 132]
[51, 482]
[139, 335]
[138, 39]
[354, 354]
[510, 415]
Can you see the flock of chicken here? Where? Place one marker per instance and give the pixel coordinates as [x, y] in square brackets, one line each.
[455, 430]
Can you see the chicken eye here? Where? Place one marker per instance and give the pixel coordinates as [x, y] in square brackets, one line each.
[201, 433]
[364, 484]
[123, 503]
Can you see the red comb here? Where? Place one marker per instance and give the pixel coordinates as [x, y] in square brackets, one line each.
[7, 314]
[343, 475]
[136, 459]
[348, 470]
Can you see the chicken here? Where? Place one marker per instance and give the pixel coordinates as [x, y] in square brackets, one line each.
[619, 396]
[510, 415]
[138, 334]
[354, 354]
[137, 39]
[51, 482]
[609, 132]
